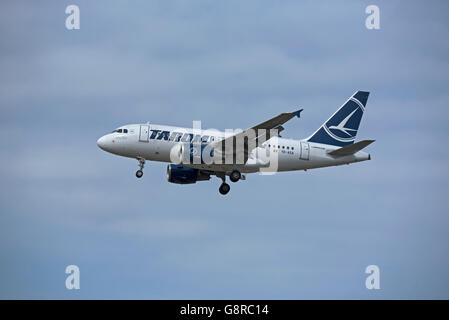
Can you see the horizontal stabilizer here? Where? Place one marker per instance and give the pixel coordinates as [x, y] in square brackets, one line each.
[351, 149]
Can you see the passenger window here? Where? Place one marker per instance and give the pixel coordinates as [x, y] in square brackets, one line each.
[283, 147]
[292, 148]
[288, 148]
[279, 146]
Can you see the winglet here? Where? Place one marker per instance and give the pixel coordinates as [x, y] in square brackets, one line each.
[298, 113]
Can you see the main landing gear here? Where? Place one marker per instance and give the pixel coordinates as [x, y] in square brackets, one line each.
[139, 173]
[234, 176]
[224, 188]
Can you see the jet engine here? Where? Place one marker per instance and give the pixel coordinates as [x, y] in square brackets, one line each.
[185, 175]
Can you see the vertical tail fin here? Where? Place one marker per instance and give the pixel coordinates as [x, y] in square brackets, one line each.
[341, 128]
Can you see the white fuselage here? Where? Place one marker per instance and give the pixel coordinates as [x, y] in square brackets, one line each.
[156, 142]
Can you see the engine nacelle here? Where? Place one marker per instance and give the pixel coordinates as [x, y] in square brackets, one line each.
[185, 175]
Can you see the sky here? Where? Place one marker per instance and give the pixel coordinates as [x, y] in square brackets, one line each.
[230, 64]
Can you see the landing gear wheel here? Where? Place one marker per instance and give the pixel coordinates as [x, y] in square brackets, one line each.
[224, 188]
[139, 173]
[235, 176]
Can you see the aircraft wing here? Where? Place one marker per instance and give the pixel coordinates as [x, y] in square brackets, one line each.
[277, 121]
[253, 133]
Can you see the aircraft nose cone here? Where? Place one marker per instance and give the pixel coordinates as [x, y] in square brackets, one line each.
[101, 143]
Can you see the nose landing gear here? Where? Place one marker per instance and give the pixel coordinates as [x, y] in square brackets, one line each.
[139, 173]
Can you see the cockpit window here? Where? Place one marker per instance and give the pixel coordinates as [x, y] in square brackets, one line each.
[120, 131]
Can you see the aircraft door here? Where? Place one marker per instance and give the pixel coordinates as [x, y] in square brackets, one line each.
[144, 133]
[305, 151]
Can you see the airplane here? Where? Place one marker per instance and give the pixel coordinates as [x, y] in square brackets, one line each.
[195, 155]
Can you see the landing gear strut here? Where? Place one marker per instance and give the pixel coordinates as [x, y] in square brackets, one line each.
[139, 173]
[224, 187]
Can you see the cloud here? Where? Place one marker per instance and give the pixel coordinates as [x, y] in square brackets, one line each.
[165, 228]
[231, 65]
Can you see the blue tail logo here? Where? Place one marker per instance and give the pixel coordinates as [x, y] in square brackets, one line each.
[342, 126]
